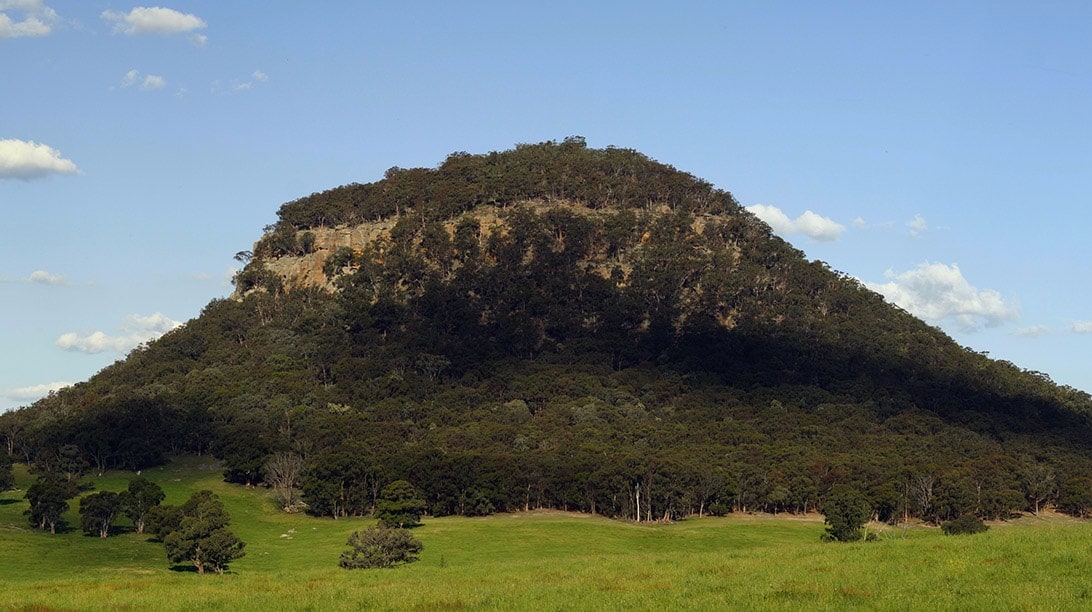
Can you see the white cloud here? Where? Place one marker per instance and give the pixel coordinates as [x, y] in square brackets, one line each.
[256, 76]
[34, 392]
[135, 330]
[46, 278]
[1082, 327]
[153, 81]
[938, 292]
[198, 40]
[155, 20]
[37, 18]
[918, 225]
[1034, 331]
[149, 82]
[26, 160]
[810, 224]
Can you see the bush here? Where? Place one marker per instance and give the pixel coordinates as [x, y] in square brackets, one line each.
[966, 524]
[399, 505]
[846, 512]
[719, 509]
[380, 547]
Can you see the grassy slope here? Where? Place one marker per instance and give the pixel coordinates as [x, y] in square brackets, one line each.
[544, 561]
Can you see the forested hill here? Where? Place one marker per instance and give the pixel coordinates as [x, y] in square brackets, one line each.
[568, 327]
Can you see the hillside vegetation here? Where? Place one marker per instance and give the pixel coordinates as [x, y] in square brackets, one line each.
[576, 329]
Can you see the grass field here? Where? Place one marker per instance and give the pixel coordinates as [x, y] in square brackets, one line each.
[544, 561]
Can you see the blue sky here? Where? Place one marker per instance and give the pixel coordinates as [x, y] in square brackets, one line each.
[938, 151]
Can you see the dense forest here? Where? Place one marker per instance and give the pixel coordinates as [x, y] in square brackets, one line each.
[564, 327]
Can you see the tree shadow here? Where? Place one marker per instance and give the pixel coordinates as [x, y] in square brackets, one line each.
[190, 569]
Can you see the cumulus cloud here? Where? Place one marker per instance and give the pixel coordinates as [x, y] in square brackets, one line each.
[156, 20]
[938, 292]
[816, 227]
[34, 392]
[134, 331]
[33, 18]
[46, 278]
[1082, 327]
[26, 160]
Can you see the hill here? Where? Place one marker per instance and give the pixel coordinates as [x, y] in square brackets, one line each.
[563, 327]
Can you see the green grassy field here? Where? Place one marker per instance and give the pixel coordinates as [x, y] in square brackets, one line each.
[544, 561]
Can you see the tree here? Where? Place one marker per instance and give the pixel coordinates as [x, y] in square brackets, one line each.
[162, 520]
[7, 475]
[1075, 497]
[98, 512]
[282, 472]
[141, 496]
[48, 498]
[400, 505]
[380, 547]
[921, 493]
[1039, 485]
[846, 511]
[201, 536]
[65, 461]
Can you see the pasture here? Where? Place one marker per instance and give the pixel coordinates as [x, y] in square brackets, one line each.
[542, 561]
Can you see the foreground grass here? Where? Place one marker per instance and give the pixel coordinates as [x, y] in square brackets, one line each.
[545, 560]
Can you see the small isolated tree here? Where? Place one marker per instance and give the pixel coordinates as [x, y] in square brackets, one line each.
[200, 535]
[48, 498]
[139, 499]
[98, 512]
[399, 505]
[964, 525]
[380, 547]
[846, 511]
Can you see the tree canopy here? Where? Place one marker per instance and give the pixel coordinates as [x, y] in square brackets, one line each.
[197, 534]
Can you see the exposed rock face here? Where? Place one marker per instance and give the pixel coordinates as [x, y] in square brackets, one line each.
[306, 269]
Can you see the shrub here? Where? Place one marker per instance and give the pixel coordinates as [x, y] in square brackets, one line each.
[399, 505]
[846, 512]
[719, 509]
[966, 524]
[380, 547]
